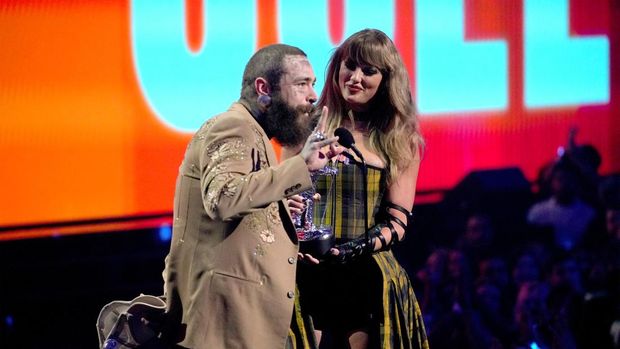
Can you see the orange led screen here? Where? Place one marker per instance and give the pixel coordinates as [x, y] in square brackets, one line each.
[94, 125]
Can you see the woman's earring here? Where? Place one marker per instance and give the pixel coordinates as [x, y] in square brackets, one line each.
[264, 100]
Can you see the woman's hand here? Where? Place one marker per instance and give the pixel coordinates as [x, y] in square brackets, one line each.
[308, 258]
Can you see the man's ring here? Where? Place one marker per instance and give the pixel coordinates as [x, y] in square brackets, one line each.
[318, 136]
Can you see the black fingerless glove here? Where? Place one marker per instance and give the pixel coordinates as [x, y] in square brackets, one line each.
[353, 250]
[365, 245]
[357, 248]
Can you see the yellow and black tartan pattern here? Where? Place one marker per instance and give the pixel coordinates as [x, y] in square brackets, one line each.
[403, 325]
[301, 333]
[341, 207]
[342, 199]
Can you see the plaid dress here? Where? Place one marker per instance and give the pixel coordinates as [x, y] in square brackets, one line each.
[342, 200]
[377, 285]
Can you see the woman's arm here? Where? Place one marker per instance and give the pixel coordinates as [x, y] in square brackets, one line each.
[392, 219]
[401, 192]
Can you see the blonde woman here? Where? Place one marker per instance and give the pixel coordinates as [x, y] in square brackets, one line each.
[360, 296]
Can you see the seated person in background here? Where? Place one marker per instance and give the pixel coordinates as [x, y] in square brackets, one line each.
[536, 326]
[477, 241]
[565, 211]
[587, 160]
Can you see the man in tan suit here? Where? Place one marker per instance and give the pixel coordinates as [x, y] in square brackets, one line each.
[230, 273]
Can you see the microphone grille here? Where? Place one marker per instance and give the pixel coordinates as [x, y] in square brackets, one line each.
[345, 138]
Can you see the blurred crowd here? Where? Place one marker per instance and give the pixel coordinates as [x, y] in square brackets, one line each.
[553, 284]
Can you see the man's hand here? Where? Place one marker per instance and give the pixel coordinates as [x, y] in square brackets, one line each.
[312, 151]
[296, 204]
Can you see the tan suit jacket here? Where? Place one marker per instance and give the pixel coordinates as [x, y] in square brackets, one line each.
[230, 273]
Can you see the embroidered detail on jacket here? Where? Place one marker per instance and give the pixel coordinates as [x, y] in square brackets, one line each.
[273, 214]
[259, 250]
[267, 236]
[256, 221]
[220, 155]
[217, 187]
[260, 145]
[201, 133]
[230, 188]
[264, 223]
[229, 149]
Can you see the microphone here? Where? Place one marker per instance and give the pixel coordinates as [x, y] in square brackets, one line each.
[345, 138]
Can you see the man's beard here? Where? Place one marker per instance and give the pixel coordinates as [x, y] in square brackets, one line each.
[288, 125]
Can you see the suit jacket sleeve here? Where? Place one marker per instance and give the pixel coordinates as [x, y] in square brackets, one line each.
[236, 176]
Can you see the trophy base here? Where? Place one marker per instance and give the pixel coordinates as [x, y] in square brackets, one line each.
[316, 242]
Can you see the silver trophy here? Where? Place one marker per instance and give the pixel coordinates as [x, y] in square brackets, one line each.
[314, 238]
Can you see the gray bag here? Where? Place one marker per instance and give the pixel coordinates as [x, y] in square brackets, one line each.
[132, 324]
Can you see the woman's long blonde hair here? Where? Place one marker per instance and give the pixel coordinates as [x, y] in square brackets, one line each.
[394, 128]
